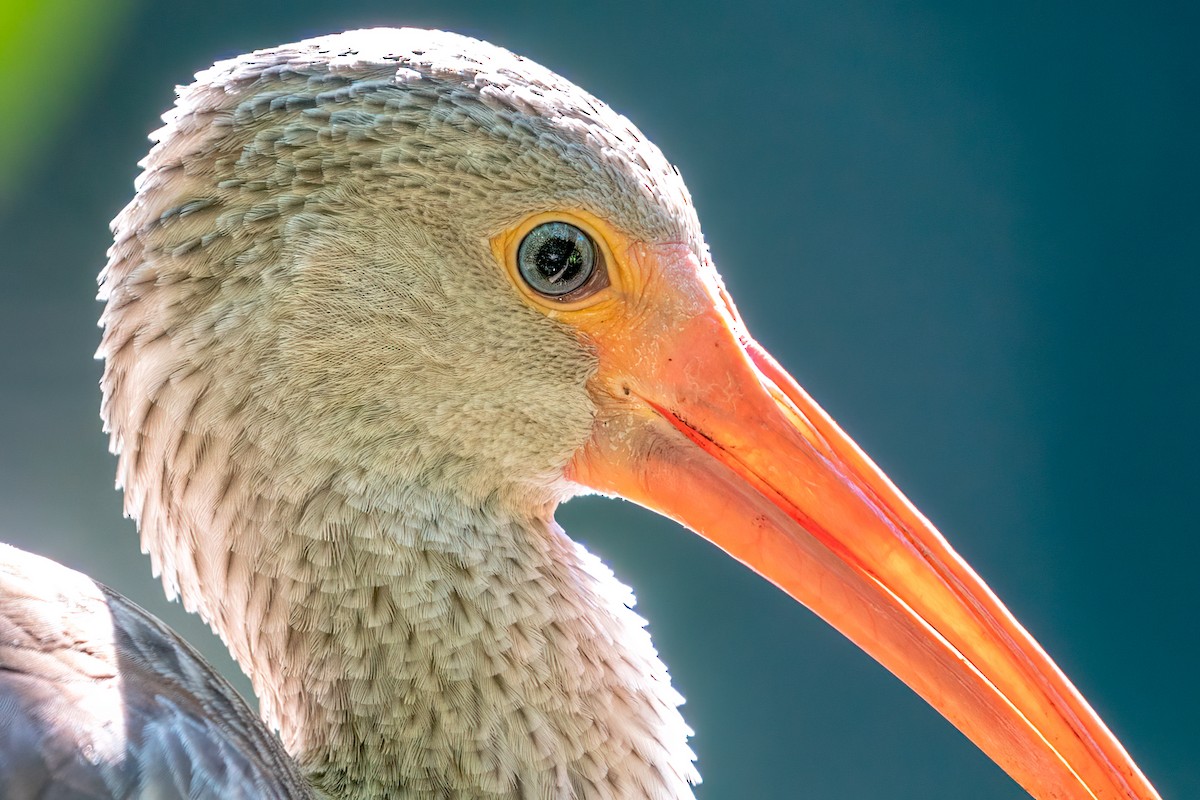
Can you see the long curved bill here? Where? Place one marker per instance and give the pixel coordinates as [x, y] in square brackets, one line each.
[699, 423]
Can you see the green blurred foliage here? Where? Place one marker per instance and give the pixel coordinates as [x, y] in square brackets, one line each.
[49, 51]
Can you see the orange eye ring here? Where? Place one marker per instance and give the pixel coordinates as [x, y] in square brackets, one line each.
[608, 269]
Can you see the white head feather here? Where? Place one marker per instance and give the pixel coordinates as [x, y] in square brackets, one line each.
[343, 433]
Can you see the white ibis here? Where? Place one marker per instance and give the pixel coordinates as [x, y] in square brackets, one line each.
[382, 301]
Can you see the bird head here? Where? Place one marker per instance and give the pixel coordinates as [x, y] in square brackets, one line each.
[400, 257]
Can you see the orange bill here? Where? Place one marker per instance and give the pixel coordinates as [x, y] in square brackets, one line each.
[699, 423]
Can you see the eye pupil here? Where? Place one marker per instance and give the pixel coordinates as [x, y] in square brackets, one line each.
[556, 258]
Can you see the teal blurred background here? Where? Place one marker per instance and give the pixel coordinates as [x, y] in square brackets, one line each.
[972, 230]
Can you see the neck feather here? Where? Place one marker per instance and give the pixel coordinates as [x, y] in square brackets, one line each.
[434, 648]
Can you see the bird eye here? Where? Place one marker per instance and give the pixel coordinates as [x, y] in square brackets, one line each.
[556, 259]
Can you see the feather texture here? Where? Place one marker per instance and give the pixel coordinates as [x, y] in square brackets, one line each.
[343, 433]
[99, 700]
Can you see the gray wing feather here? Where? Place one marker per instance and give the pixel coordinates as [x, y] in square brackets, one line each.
[98, 699]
